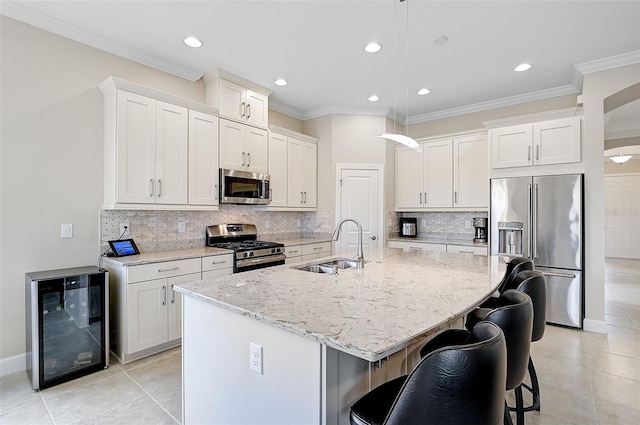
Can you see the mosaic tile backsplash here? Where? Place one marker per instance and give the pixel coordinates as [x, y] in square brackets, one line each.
[437, 225]
[158, 230]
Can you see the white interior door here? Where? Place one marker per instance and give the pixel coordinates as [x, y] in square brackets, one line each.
[622, 216]
[359, 198]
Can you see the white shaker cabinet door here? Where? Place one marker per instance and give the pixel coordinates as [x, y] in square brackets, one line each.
[278, 169]
[136, 155]
[471, 171]
[309, 174]
[511, 146]
[171, 154]
[256, 148]
[409, 178]
[146, 314]
[557, 141]
[232, 145]
[438, 173]
[203, 159]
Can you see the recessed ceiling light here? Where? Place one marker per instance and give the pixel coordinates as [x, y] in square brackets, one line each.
[280, 82]
[373, 98]
[192, 42]
[422, 92]
[522, 67]
[373, 47]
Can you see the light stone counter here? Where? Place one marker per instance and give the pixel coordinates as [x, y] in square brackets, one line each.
[399, 297]
[440, 241]
[161, 256]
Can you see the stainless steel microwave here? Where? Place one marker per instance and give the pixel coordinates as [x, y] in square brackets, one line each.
[242, 187]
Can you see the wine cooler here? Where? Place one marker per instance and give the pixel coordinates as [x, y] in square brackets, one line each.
[67, 324]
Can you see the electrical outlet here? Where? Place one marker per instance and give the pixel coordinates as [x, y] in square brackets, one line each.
[66, 230]
[124, 228]
[255, 358]
[267, 224]
[423, 222]
[299, 223]
[467, 224]
[181, 226]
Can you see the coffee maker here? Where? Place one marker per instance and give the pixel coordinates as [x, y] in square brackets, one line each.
[480, 225]
[408, 227]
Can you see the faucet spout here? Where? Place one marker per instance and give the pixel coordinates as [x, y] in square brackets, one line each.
[359, 254]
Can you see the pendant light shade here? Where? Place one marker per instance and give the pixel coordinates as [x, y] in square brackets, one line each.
[402, 139]
[620, 159]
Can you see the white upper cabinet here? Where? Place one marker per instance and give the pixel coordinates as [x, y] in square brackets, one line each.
[237, 99]
[542, 143]
[243, 147]
[293, 167]
[203, 159]
[151, 151]
[450, 173]
[160, 150]
[471, 171]
[424, 179]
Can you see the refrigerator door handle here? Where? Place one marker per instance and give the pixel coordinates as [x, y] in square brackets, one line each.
[535, 221]
[567, 275]
[530, 224]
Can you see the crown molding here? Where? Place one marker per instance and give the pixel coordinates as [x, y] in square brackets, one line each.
[608, 63]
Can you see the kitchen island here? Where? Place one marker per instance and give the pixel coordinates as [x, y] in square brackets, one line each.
[324, 340]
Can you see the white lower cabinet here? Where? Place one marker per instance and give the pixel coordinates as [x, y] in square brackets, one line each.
[145, 311]
[216, 266]
[417, 246]
[306, 252]
[462, 249]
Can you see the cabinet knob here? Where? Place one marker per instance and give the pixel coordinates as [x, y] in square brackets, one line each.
[373, 238]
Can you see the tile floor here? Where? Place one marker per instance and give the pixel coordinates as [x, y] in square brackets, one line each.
[585, 378]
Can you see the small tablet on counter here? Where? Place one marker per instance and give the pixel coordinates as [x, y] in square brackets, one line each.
[123, 247]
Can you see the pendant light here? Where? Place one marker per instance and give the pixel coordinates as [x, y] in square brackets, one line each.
[620, 159]
[396, 137]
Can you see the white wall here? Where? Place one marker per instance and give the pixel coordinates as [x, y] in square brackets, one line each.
[52, 155]
[596, 88]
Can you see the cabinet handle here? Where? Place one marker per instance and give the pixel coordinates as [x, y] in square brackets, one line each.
[305, 197]
[242, 109]
[420, 198]
[270, 194]
[151, 188]
[215, 192]
[159, 187]
[248, 159]
[301, 197]
[537, 152]
[465, 252]
[529, 153]
[168, 270]
[164, 295]
[317, 248]
[293, 252]
[455, 196]
[248, 110]
[218, 262]
[173, 295]
[415, 248]
[373, 238]
[244, 157]
[425, 198]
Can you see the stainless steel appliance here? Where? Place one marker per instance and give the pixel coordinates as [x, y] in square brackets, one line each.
[67, 324]
[480, 233]
[249, 252]
[542, 218]
[242, 187]
[408, 227]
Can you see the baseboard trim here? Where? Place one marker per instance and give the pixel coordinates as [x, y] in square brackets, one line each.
[13, 364]
[596, 326]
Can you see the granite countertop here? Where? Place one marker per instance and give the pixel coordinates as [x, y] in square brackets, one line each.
[440, 241]
[398, 298]
[298, 241]
[170, 255]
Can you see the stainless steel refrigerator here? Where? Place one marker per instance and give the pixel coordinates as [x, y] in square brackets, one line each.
[542, 218]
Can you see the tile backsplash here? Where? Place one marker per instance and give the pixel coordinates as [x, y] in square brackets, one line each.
[158, 230]
[438, 225]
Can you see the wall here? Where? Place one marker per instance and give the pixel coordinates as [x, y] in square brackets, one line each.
[597, 87]
[631, 166]
[52, 156]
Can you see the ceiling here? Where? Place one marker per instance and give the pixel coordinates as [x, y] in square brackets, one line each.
[318, 47]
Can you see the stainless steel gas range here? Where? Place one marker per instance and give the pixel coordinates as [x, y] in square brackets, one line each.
[249, 252]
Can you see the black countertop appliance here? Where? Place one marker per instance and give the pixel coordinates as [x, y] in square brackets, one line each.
[408, 227]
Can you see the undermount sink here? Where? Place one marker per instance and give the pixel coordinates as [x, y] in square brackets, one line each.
[329, 266]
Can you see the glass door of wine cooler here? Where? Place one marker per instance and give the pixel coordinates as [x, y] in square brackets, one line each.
[68, 335]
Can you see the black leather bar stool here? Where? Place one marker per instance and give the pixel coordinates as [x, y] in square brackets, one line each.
[460, 380]
[514, 315]
[533, 283]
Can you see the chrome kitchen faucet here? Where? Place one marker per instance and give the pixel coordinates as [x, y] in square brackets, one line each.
[359, 254]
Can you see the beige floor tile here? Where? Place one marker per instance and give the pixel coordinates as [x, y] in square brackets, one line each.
[33, 414]
[16, 392]
[142, 411]
[616, 414]
[616, 389]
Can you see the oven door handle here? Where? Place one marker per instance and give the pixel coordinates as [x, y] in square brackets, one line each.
[260, 260]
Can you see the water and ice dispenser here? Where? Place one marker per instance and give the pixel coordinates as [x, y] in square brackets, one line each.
[510, 237]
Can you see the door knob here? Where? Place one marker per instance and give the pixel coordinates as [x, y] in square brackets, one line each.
[373, 238]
